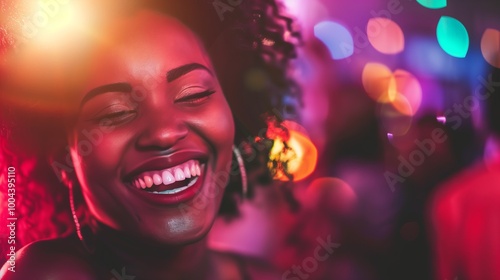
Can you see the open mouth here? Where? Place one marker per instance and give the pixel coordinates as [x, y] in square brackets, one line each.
[171, 180]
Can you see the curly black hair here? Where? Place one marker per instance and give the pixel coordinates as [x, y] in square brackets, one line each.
[251, 44]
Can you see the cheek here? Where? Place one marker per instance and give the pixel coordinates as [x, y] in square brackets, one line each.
[99, 153]
[218, 125]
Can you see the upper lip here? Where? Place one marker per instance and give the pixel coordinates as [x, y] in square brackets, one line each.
[163, 162]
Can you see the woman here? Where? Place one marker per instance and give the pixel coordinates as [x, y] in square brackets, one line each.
[133, 118]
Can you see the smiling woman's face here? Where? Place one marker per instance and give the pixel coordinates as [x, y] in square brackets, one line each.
[153, 137]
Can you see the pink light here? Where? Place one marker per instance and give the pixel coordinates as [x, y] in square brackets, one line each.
[385, 35]
[390, 136]
[441, 119]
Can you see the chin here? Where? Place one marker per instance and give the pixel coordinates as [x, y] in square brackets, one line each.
[181, 230]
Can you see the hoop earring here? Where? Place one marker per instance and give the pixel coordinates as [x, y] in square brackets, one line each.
[83, 234]
[243, 172]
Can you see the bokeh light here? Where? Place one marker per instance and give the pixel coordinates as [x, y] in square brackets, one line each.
[390, 137]
[432, 4]
[452, 36]
[402, 104]
[427, 58]
[490, 46]
[330, 194]
[385, 35]
[336, 38]
[408, 92]
[376, 78]
[441, 119]
[393, 121]
[401, 88]
[305, 157]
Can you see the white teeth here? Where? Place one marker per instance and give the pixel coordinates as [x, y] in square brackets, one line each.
[142, 184]
[187, 170]
[177, 189]
[193, 169]
[149, 181]
[168, 178]
[157, 179]
[171, 191]
[187, 173]
[179, 175]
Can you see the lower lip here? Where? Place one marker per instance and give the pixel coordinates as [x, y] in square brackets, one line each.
[175, 198]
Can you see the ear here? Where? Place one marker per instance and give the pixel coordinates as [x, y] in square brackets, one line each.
[63, 168]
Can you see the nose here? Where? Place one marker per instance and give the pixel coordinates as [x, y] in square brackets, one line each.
[161, 131]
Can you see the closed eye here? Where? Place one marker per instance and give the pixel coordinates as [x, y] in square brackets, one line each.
[195, 97]
[115, 118]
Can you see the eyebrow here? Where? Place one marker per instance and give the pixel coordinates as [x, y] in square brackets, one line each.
[116, 87]
[172, 75]
[184, 69]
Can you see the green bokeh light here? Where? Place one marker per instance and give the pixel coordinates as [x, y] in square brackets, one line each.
[452, 36]
[432, 4]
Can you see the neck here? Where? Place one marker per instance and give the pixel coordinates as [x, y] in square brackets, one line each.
[146, 260]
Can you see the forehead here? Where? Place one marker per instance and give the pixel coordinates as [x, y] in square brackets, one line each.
[142, 45]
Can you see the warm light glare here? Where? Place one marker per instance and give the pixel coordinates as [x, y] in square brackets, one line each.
[409, 92]
[392, 91]
[401, 88]
[303, 163]
[376, 78]
[51, 23]
[490, 46]
[385, 35]
[452, 37]
[336, 38]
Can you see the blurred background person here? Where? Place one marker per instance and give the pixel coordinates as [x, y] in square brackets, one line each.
[465, 210]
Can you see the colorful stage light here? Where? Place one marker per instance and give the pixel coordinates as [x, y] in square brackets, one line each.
[336, 38]
[452, 36]
[385, 35]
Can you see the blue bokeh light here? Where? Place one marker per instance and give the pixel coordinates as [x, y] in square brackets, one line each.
[336, 38]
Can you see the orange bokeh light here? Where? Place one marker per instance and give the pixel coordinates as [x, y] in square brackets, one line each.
[409, 93]
[303, 163]
[399, 88]
[490, 46]
[376, 78]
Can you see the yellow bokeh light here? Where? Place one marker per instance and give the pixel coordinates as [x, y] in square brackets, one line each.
[399, 88]
[302, 162]
[392, 91]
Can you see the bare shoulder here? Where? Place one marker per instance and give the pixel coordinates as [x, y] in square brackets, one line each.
[48, 259]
